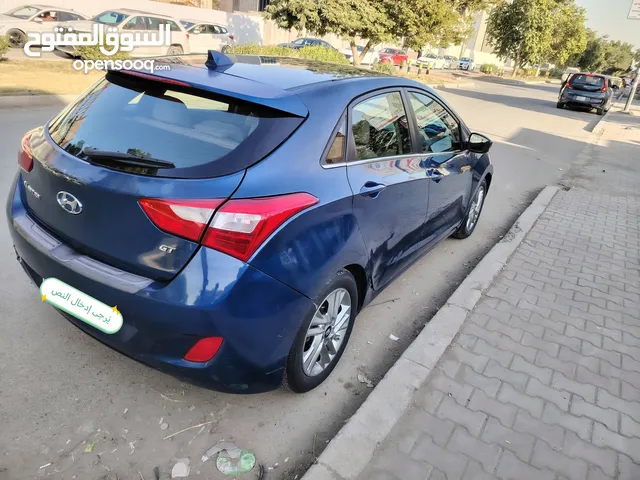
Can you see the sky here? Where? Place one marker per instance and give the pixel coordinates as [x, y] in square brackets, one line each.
[609, 17]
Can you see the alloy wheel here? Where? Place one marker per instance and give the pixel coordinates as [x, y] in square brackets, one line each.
[476, 208]
[326, 332]
[16, 40]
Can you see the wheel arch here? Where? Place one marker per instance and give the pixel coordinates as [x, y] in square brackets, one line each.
[360, 276]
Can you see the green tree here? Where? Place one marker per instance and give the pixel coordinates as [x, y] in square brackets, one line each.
[594, 53]
[605, 56]
[416, 22]
[522, 30]
[619, 57]
[569, 33]
[348, 18]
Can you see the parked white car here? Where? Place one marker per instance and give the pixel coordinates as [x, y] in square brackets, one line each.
[17, 23]
[133, 21]
[450, 61]
[466, 63]
[433, 61]
[204, 36]
[370, 57]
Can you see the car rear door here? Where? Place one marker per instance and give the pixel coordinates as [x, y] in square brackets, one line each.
[388, 180]
[447, 164]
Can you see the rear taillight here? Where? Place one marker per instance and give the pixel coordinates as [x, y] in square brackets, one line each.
[232, 37]
[25, 157]
[187, 36]
[203, 350]
[238, 228]
[184, 218]
[603, 89]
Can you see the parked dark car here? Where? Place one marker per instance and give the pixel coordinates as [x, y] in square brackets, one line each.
[587, 90]
[394, 56]
[238, 216]
[299, 43]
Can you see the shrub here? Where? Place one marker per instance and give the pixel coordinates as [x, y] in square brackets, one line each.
[488, 68]
[308, 53]
[385, 68]
[268, 50]
[323, 54]
[93, 53]
[529, 72]
[4, 45]
[556, 72]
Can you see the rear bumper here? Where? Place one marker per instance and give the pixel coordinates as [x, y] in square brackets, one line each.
[214, 295]
[571, 101]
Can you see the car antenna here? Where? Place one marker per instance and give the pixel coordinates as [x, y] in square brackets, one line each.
[217, 59]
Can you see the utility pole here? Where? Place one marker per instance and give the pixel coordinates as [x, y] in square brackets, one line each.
[632, 93]
[634, 14]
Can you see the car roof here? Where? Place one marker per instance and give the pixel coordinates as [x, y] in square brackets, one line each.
[276, 82]
[46, 7]
[131, 11]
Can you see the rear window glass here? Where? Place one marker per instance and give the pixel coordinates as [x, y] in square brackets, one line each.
[588, 80]
[201, 134]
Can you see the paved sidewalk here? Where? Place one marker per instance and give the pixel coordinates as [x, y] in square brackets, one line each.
[543, 379]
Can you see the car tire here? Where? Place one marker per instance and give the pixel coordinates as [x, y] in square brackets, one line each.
[304, 370]
[225, 49]
[560, 105]
[600, 111]
[473, 213]
[175, 50]
[16, 38]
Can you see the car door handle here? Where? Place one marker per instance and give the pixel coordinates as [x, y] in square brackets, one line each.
[372, 189]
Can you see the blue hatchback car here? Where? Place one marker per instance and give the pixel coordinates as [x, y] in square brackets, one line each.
[239, 213]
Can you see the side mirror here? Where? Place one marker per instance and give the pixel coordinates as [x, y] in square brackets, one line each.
[479, 143]
[38, 20]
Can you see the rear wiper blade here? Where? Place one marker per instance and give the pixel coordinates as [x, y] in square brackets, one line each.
[126, 158]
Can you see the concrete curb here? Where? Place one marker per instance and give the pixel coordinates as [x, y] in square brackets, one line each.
[25, 101]
[347, 455]
[601, 125]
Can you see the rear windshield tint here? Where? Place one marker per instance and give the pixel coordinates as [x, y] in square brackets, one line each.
[203, 135]
[588, 81]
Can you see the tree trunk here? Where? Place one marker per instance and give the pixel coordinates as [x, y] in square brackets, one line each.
[365, 50]
[516, 65]
[538, 70]
[354, 52]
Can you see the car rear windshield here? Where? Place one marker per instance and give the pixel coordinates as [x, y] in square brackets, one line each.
[587, 81]
[202, 134]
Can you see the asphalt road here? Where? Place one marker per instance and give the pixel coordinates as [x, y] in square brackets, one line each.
[60, 390]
